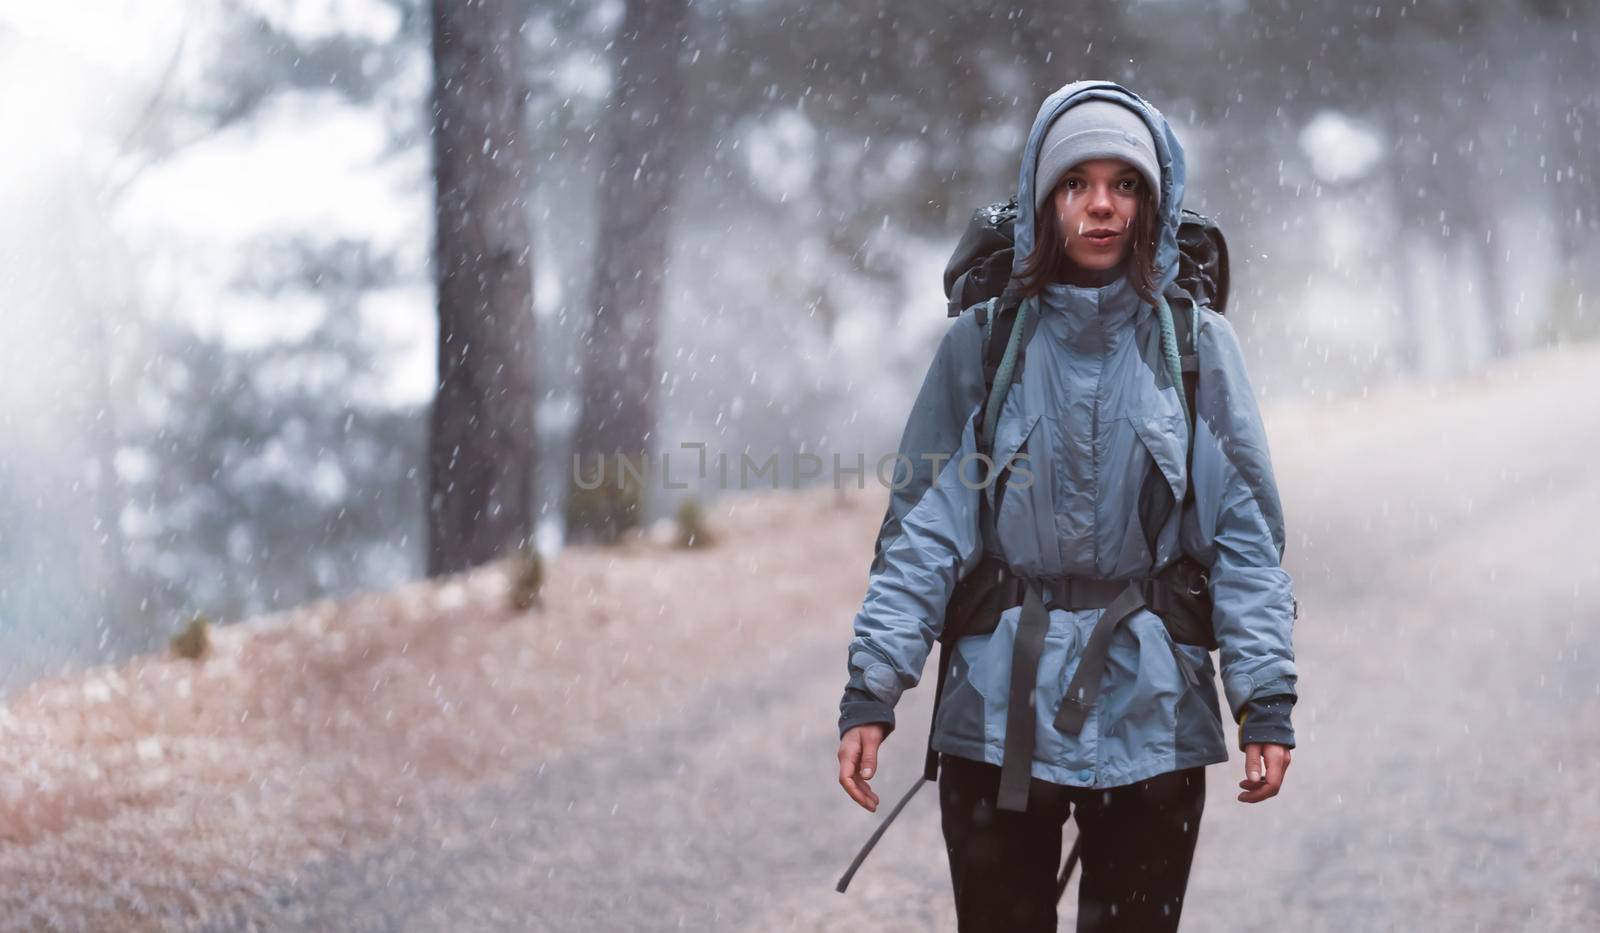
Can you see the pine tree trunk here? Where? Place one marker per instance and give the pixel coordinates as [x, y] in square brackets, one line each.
[1488, 251]
[641, 135]
[482, 443]
[1402, 253]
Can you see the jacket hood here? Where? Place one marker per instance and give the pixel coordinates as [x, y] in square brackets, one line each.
[1169, 154]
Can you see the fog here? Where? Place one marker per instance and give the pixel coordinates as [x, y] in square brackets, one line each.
[220, 257]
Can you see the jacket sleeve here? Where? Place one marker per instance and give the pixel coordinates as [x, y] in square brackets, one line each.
[929, 538]
[1238, 533]
[1266, 719]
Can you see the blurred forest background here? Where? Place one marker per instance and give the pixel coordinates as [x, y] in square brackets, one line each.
[305, 297]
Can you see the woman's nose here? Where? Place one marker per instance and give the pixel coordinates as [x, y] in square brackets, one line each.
[1100, 200]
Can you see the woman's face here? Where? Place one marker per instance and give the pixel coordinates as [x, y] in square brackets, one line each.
[1095, 204]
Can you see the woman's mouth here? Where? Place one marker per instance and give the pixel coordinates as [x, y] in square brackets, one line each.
[1102, 238]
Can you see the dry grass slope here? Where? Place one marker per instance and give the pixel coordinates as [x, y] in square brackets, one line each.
[136, 795]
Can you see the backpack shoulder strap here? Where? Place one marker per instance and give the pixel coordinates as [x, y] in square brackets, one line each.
[1185, 317]
[998, 373]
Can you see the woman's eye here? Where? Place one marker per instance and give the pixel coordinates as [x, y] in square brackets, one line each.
[1131, 184]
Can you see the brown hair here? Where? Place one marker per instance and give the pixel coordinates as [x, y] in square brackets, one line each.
[1049, 263]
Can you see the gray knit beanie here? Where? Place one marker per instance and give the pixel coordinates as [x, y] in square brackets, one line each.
[1094, 129]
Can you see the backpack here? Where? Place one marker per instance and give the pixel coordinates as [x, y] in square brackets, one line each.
[979, 273]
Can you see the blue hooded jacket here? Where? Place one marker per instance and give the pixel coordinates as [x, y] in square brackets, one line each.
[1093, 411]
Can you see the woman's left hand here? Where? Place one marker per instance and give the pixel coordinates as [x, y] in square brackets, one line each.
[1265, 765]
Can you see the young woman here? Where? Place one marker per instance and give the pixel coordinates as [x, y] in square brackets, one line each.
[1117, 722]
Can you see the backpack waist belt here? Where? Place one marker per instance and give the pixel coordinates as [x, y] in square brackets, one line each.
[1178, 593]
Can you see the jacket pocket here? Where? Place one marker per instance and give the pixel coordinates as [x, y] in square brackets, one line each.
[1025, 519]
[1188, 669]
[963, 710]
[1199, 735]
[1145, 687]
[1166, 438]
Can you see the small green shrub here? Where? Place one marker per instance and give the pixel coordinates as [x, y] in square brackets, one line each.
[194, 642]
[527, 577]
[692, 529]
[616, 505]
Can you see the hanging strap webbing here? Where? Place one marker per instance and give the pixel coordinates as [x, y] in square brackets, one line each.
[844, 881]
[1017, 765]
[1085, 686]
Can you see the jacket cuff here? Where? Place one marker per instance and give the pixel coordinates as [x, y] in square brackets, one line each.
[858, 707]
[1266, 719]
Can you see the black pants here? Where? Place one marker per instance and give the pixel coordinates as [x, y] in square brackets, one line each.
[1138, 842]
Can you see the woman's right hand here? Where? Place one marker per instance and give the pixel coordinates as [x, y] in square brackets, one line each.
[858, 761]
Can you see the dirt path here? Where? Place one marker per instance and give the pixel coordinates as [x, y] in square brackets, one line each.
[1442, 548]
